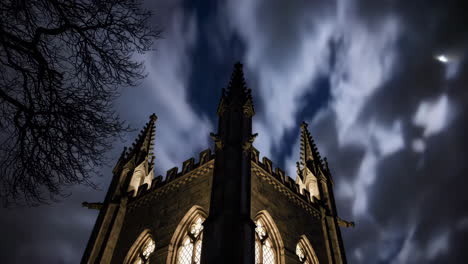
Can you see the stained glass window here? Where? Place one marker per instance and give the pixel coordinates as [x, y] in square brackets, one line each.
[143, 253]
[301, 254]
[305, 252]
[264, 251]
[190, 250]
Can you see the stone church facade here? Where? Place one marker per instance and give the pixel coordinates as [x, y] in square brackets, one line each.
[226, 206]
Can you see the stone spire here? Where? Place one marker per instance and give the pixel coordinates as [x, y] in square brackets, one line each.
[237, 88]
[314, 175]
[309, 150]
[237, 94]
[134, 167]
[229, 230]
[142, 148]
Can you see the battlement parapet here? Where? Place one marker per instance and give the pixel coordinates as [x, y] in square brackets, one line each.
[277, 173]
[172, 174]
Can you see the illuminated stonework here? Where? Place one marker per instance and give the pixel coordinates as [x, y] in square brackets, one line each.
[305, 252]
[301, 254]
[264, 252]
[228, 205]
[142, 250]
[190, 250]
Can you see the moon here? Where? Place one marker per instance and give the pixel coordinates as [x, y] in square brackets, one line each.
[442, 58]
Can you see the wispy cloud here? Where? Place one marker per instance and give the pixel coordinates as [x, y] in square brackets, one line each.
[286, 50]
[181, 131]
[361, 57]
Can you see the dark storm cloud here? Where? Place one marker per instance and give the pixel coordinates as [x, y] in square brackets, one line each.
[393, 119]
[417, 196]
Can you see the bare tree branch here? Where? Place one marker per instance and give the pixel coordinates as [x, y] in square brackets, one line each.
[61, 63]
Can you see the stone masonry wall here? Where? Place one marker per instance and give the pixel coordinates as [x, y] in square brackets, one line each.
[161, 211]
[288, 213]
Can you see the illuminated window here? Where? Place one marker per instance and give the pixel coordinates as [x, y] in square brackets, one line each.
[141, 250]
[305, 252]
[264, 251]
[189, 251]
[301, 254]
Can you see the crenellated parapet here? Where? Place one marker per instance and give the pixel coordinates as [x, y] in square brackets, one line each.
[174, 177]
[284, 184]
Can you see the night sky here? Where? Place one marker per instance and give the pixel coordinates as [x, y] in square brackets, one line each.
[382, 84]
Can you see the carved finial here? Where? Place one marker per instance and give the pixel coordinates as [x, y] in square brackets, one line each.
[217, 140]
[247, 146]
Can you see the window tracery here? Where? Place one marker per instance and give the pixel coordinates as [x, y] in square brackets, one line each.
[142, 250]
[264, 251]
[189, 251]
[301, 254]
[305, 252]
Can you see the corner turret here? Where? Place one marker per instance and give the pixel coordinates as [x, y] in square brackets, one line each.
[140, 159]
[310, 165]
[133, 169]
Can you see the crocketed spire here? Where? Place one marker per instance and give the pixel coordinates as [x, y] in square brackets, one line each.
[142, 148]
[308, 148]
[237, 94]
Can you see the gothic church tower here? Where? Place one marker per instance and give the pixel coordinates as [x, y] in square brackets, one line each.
[227, 207]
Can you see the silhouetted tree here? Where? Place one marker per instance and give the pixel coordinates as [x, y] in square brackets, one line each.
[61, 62]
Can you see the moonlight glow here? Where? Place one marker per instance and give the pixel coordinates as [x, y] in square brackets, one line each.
[442, 58]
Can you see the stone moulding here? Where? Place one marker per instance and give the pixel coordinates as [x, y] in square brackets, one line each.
[191, 170]
[172, 174]
[296, 198]
[144, 199]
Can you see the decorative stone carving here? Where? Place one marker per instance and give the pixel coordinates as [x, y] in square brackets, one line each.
[217, 140]
[248, 108]
[247, 146]
[344, 223]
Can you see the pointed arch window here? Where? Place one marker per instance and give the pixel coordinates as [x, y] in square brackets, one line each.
[189, 251]
[142, 250]
[305, 252]
[264, 251]
[186, 243]
[269, 248]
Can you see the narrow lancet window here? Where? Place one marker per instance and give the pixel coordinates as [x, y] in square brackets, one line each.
[305, 252]
[301, 254]
[142, 250]
[190, 250]
[264, 251]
